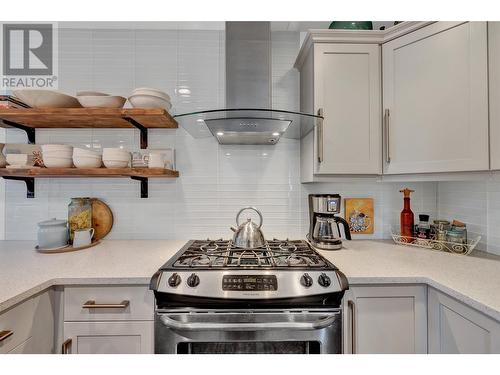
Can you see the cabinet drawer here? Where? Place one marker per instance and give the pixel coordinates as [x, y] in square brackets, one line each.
[108, 303]
[19, 321]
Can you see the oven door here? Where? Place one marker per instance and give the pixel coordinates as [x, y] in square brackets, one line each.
[259, 332]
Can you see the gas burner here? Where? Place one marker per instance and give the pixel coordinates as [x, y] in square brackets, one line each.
[222, 254]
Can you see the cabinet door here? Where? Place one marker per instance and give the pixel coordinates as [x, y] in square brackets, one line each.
[494, 87]
[385, 319]
[133, 337]
[347, 91]
[457, 328]
[435, 94]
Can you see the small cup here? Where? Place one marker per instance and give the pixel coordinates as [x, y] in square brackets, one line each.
[83, 237]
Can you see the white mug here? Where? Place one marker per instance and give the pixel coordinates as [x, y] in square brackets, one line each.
[154, 160]
[83, 237]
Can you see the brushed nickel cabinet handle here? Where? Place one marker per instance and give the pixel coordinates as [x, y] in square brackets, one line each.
[320, 136]
[66, 346]
[92, 305]
[5, 334]
[387, 124]
[352, 308]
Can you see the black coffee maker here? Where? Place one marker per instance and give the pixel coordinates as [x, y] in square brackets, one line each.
[324, 229]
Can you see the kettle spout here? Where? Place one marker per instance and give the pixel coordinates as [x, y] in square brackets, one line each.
[233, 229]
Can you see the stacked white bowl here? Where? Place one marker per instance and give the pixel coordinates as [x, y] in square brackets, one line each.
[115, 158]
[57, 156]
[84, 158]
[145, 97]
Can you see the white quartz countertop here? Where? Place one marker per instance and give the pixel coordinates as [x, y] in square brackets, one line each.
[471, 279]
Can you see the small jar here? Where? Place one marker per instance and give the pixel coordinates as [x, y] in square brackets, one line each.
[79, 215]
[457, 235]
[438, 229]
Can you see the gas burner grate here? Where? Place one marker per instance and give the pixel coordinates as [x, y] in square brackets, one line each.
[223, 254]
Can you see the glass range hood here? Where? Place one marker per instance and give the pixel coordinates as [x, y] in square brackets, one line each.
[248, 117]
[247, 125]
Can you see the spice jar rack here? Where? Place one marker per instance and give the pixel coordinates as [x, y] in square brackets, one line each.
[450, 247]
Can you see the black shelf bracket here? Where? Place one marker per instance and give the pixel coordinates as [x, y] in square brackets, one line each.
[144, 185]
[30, 132]
[30, 184]
[142, 129]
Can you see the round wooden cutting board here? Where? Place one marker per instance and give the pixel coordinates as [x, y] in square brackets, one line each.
[102, 219]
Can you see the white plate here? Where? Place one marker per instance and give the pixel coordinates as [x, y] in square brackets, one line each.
[115, 163]
[46, 99]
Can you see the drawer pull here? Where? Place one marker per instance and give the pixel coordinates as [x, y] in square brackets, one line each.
[93, 305]
[5, 334]
[66, 346]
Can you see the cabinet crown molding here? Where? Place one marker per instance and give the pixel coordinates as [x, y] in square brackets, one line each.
[354, 36]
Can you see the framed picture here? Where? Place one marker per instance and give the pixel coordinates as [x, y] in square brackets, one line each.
[359, 213]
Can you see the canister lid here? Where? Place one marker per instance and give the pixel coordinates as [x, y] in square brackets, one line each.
[51, 222]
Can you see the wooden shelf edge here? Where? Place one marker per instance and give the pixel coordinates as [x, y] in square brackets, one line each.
[88, 172]
[149, 118]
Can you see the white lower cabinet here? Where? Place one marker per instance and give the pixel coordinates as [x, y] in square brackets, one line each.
[133, 337]
[457, 328]
[29, 326]
[108, 320]
[385, 319]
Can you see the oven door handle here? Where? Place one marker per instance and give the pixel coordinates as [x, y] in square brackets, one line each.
[206, 326]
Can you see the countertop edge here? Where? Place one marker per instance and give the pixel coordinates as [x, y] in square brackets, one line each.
[481, 307]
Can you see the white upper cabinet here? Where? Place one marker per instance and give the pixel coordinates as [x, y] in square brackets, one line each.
[494, 81]
[343, 82]
[435, 99]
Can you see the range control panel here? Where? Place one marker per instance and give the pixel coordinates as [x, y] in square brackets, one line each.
[249, 282]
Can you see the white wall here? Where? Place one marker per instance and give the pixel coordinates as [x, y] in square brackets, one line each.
[215, 180]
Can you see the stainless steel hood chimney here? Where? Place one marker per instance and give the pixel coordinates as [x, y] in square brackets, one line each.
[248, 117]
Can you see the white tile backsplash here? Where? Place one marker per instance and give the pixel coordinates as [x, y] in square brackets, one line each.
[477, 203]
[216, 180]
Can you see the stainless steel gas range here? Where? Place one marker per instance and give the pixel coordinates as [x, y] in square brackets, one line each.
[213, 297]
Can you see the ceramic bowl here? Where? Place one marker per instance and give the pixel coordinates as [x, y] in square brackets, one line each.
[86, 152]
[87, 162]
[152, 92]
[102, 101]
[149, 101]
[46, 99]
[91, 93]
[19, 159]
[115, 154]
[56, 148]
[115, 163]
[57, 162]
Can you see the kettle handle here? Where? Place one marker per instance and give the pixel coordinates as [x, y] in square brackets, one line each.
[249, 208]
[345, 224]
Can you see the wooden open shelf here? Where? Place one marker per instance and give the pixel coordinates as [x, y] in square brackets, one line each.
[141, 174]
[52, 118]
[88, 172]
[143, 119]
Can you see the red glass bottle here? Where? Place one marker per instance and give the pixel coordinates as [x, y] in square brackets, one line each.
[407, 218]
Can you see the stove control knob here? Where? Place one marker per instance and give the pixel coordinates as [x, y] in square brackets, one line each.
[193, 280]
[174, 280]
[324, 280]
[306, 280]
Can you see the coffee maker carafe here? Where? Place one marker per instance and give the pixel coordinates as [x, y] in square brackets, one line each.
[324, 229]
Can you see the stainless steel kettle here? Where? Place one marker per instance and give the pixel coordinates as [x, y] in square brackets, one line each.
[248, 234]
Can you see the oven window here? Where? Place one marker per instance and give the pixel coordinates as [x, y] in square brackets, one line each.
[261, 347]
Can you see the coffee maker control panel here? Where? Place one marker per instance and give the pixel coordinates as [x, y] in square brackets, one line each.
[333, 205]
